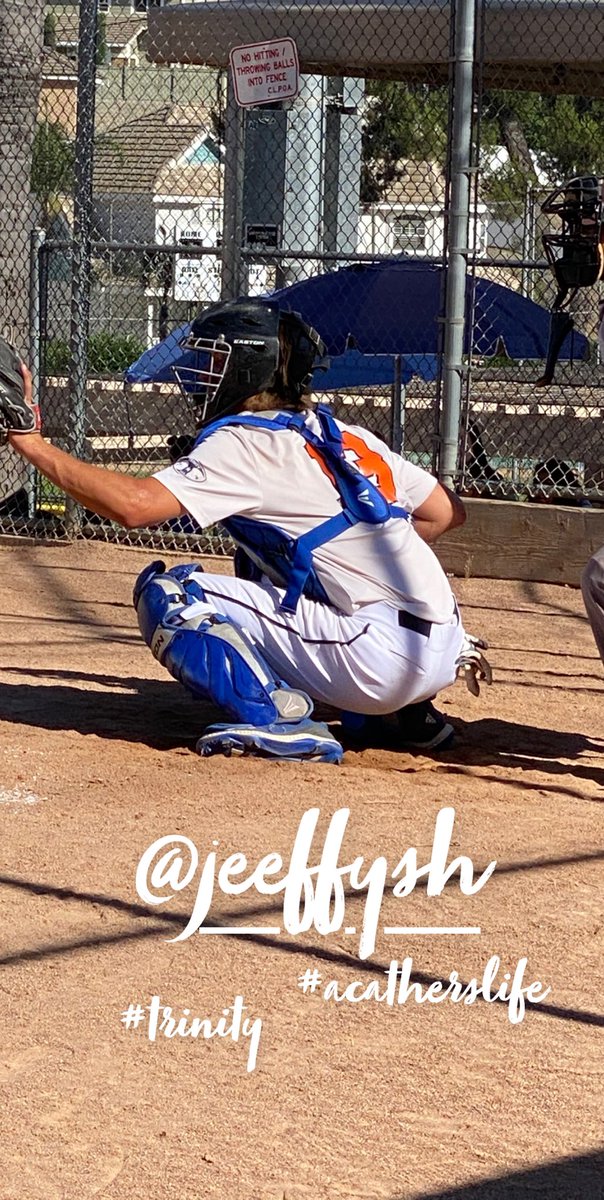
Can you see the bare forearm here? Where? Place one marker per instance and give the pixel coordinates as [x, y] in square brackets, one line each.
[458, 508]
[111, 494]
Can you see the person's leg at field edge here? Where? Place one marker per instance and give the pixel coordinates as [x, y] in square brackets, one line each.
[592, 587]
[219, 661]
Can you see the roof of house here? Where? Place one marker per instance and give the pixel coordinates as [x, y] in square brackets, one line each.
[196, 172]
[130, 159]
[57, 66]
[418, 183]
[120, 26]
[201, 181]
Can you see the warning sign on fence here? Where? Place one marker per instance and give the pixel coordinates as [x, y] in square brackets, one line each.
[265, 72]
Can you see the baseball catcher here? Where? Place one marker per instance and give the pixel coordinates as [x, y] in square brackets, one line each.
[337, 596]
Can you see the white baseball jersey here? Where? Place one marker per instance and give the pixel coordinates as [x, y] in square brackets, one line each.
[275, 477]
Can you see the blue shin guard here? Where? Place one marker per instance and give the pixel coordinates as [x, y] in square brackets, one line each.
[217, 661]
[207, 653]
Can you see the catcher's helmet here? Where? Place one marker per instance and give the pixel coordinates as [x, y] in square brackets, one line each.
[575, 251]
[242, 348]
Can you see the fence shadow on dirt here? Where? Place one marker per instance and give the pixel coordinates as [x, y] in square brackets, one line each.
[495, 742]
[577, 1178]
[160, 714]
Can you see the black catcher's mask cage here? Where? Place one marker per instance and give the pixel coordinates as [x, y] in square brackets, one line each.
[241, 348]
[574, 252]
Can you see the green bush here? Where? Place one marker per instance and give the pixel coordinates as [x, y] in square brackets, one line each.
[112, 352]
[108, 353]
[57, 357]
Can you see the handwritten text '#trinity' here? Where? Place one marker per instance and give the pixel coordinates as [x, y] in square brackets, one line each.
[312, 895]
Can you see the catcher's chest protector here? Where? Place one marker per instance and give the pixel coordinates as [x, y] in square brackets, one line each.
[287, 560]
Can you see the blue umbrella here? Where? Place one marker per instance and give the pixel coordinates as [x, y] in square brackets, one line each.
[351, 369]
[394, 307]
[155, 365]
[370, 312]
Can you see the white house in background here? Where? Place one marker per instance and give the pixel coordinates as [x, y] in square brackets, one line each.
[411, 217]
[188, 210]
[159, 179]
[125, 29]
[132, 169]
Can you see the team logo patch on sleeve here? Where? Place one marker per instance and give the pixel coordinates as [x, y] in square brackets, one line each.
[193, 470]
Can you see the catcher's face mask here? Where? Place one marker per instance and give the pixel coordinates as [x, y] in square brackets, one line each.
[202, 381]
[574, 250]
[242, 348]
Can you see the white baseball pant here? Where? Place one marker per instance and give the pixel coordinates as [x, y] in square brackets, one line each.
[366, 663]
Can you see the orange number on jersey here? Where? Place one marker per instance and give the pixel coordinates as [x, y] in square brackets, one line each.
[368, 462]
[371, 465]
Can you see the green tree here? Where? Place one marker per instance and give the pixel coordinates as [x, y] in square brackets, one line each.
[402, 121]
[559, 136]
[102, 48]
[52, 167]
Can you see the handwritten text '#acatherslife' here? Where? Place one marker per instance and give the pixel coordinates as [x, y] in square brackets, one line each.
[312, 895]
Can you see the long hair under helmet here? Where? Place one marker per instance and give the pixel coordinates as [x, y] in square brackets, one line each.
[242, 348]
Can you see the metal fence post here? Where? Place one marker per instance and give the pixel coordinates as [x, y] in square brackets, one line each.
[37, 240]
[234, 174]
[397, 411]
[80, 262]
[464, 17]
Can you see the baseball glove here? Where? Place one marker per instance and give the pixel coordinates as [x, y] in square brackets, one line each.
[17, 415]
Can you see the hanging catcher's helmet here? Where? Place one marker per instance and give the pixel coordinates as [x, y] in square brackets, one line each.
[244, 347]
[575, 252]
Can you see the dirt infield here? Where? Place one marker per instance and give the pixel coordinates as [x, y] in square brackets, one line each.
[348, 1100]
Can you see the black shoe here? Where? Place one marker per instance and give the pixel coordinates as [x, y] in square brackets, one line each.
[415, 727]
[422, 727]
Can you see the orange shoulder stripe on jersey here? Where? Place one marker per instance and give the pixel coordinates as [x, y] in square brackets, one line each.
[323, 465]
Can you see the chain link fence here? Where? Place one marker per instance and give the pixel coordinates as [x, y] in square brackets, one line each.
[136, 189]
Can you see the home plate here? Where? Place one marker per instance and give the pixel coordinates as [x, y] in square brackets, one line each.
[18, 795]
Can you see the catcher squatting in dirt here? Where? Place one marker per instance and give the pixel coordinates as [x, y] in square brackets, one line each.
[337, 595]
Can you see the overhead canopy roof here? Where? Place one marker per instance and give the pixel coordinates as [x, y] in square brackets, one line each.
[532, 45]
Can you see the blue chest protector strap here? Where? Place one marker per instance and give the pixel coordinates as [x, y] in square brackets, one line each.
[288, 561]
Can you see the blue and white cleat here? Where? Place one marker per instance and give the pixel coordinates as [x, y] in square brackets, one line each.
[303, 741]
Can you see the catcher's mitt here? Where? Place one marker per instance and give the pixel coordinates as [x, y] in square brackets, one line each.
[16, 414]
